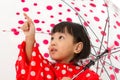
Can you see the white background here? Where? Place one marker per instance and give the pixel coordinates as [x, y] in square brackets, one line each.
[8, 47]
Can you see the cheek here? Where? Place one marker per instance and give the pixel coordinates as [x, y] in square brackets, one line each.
[49, 48]
[66, 48]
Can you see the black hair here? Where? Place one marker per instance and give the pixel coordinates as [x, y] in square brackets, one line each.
[79, 34]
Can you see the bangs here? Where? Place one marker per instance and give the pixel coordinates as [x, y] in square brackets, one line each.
[62, 28]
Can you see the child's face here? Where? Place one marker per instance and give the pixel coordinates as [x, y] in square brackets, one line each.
[61, 47]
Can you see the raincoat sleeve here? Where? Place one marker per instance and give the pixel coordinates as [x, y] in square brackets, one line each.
[37, 69]
[21, 65]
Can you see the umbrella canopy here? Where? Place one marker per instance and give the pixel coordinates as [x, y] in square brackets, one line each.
[101, 20]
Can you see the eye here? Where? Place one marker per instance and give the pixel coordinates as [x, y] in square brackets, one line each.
[61, 37]
[52, 38]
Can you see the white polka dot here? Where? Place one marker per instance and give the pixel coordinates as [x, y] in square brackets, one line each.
[77, 67]
[33, 63]
[63, 71]
[41, 65]
[70, 69]
[32, 73]
[49, 76]
[64, 66]
[19, 58]
[23, 71]
[88, 75]
[47, 69]
[57, 68]
[33, 53]
[41, 74]
[44, 61]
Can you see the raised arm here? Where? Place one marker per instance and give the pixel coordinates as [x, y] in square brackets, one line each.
[29, 31]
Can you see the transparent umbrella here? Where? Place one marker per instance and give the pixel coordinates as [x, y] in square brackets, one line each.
[102, 22]
[100, 18]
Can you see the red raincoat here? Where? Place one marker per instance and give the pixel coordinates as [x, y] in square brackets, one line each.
[41, 69]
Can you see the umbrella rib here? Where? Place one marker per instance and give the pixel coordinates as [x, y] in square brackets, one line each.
[112, 56]
[72, 9]
[97, 66]
[115, 48]
[103, 37]
[113, 52]
[94, 50]
[102, 66]
[110, 64]
[113, 70]
[105, 70]
[108, 20]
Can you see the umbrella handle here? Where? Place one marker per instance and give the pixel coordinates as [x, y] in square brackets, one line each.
[92, 62]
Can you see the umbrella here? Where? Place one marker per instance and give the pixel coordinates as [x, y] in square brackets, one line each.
[101, 20]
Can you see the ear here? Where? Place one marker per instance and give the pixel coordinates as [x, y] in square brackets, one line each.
[78, 47]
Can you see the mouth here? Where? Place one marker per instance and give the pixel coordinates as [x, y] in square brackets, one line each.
[53, 50]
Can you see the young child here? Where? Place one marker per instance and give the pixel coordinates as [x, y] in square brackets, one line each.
[69, 43]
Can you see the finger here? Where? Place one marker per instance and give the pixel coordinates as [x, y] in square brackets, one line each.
[28, 18]
[30, 23]
[25, 26]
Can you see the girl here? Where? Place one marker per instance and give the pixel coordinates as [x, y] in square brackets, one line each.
[69, 43]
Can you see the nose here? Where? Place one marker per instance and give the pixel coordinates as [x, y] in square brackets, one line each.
[53, 43]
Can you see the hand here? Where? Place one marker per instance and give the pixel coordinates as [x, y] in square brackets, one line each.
[29, 31]
[28, 27]
[66, 78]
